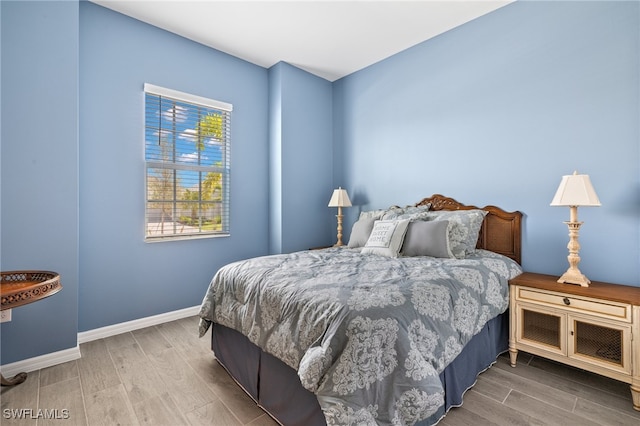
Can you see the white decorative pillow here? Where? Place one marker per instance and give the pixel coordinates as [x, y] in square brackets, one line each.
[427, 239]
[360, 232]
[386, 237]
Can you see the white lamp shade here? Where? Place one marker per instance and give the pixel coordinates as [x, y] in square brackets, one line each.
[340, 198]
[575, 190]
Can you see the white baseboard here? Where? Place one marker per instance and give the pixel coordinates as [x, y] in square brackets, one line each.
[42, 361]
[123, 327]
[48, 360]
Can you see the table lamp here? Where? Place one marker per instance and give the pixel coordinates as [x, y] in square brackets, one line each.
[339, 199]
[575, 190]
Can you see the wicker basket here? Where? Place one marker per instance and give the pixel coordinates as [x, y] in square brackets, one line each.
[19, 288]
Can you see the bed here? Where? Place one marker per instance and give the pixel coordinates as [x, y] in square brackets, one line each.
[389, 332]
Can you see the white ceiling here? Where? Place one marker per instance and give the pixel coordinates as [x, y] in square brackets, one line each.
[330, 39]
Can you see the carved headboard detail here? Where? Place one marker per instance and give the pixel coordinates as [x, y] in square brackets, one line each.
[501, 231]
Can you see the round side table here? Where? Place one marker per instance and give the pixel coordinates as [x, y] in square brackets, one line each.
[19, 288]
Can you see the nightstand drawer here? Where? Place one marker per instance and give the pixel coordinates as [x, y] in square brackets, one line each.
[604, 309]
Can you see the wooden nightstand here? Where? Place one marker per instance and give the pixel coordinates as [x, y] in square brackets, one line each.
[596, 328]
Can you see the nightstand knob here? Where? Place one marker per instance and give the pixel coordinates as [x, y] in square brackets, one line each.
[566, 301]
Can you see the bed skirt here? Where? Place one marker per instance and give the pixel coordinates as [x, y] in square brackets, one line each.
[276, 388]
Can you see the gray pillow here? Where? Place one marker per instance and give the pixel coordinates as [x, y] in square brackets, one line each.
[427, 239]
[360, 232]
[464, 229]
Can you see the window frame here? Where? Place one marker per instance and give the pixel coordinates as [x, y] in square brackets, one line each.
[194, 104]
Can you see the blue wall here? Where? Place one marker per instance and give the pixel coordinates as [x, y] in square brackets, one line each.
[495, 112]
[122, 277]
[301, 159]
[40, 169]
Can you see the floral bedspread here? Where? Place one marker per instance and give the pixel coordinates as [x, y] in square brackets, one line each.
[367, 334]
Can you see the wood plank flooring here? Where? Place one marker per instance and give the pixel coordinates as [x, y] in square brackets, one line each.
[165, 375]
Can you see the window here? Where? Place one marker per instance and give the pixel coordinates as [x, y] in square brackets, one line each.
[187, 165]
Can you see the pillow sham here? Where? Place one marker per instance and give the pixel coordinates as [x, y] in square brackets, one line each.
[360, 232]
[392, 213]
[375, 214]
[417, 209]
[386, 237]
[465, 229]
[427, 239]
[409, 212]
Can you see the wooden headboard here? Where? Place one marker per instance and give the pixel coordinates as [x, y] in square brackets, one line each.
[500, 232]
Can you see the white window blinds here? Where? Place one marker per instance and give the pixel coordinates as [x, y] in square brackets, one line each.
[187, 155]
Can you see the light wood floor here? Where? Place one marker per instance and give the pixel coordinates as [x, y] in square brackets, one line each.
[165, 375]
